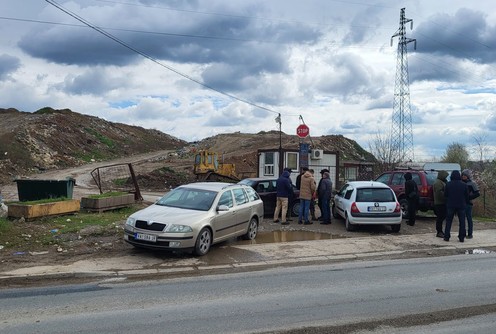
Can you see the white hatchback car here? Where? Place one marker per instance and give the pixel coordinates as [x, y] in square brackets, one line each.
[367, 202]
[195, 216]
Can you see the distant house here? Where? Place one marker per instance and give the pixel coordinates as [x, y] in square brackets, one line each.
[344, 165]
[270, 164]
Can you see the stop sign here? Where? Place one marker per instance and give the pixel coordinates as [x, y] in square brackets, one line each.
[302, 131]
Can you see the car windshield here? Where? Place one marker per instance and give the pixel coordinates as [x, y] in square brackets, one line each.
[374, 195]
[189, 198]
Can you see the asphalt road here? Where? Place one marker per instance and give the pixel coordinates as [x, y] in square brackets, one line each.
[372, 296]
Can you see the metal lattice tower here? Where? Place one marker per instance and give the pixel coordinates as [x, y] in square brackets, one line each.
[401, 129]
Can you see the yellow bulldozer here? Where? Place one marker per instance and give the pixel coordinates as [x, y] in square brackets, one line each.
[208, 168]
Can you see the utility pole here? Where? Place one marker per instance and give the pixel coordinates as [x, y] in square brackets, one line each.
[279, 120]
[401, 129]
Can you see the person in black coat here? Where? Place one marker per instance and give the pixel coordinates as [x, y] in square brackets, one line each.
[456, 193]
[412, 197]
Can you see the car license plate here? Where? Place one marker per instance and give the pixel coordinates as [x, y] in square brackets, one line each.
[145, 237]
[376, 208]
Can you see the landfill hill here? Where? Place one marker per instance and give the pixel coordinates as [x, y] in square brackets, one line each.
[49, 139]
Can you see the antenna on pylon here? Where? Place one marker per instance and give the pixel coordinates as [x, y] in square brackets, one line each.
[401, 128]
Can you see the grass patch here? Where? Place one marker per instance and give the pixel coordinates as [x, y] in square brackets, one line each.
[120, 182]
[93, 155]
[103, 139]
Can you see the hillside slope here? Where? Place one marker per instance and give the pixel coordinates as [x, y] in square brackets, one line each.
[50, 139]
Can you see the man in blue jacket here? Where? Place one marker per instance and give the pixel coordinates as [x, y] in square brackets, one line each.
[456, 193]
[284, 190]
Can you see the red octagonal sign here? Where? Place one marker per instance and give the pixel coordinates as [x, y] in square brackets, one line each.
[302, 131]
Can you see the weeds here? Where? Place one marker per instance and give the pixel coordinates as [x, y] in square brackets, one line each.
[34, 235]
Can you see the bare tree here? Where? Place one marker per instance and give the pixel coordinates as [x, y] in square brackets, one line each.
[481, 148]
[380, 147]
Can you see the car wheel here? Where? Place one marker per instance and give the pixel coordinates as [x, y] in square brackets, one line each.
[396, 228]
[404, 207]
[295, 209]
[252, 230]
[349, 226]
[203, 242]
[334, 212]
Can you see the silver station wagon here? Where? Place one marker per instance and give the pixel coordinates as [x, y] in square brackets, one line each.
[196, 216]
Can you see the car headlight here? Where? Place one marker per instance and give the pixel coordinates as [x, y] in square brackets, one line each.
[130, 221]
[175, 228]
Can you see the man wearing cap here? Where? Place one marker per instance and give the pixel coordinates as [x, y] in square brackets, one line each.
[319, 199]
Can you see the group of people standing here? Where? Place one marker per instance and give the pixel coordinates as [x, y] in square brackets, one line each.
[309, 192]
[450, 197]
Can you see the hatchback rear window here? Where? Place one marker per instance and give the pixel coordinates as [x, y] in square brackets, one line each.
[374, 195]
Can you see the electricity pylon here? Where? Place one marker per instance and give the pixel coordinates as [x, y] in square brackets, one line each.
[401, 129]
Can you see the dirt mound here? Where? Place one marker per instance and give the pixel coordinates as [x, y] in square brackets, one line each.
[51, 139]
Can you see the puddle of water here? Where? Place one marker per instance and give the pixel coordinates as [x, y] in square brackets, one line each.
[477, 251]
[287, 236]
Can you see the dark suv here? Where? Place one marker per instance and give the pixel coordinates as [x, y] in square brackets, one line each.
[266, 188]
[424, 179]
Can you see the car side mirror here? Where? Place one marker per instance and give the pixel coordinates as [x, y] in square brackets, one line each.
[222, 208]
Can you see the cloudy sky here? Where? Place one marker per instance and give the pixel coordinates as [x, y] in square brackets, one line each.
[197, 68]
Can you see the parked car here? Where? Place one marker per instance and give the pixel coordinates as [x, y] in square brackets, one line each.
[367, 203]
[424, 179]
[266, 188]
[196, 216]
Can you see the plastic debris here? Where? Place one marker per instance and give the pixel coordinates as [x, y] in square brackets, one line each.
[55, 230]
[19, 253]
[38, 253]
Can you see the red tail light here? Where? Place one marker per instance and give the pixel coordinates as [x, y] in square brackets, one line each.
[354, 208]
[424, 191]
[398, 207]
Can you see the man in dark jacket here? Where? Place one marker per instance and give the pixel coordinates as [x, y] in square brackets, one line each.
[456, 193]
[473, 193]
[324, 194]
[412, 197]
[440, 201]
[319, 200]
[284, 189]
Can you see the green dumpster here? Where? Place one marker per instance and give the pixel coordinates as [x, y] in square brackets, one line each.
[33, 190]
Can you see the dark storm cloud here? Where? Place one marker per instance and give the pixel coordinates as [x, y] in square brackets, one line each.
[184, 37]
[466, 35]
[8, 64]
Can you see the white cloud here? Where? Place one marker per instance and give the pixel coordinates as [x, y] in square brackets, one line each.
[328, 61]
